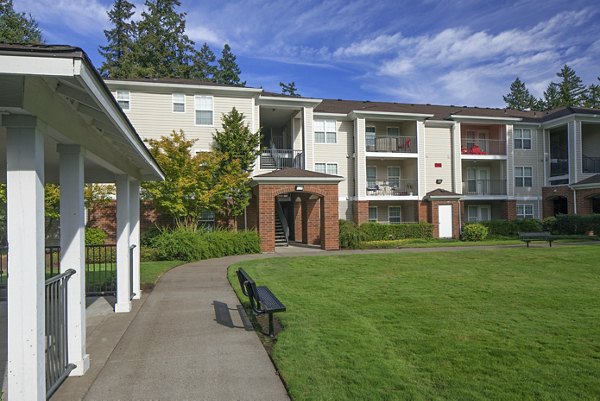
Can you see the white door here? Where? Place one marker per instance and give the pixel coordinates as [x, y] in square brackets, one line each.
[445, 220]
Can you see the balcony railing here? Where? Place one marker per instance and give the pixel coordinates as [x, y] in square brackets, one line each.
[391, 187]
[484, 187]
[482, 147]
[591, 164]
[559, 167]
[274, 159]
[401, 144]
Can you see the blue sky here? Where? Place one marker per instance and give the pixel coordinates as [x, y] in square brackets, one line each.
[462, 52]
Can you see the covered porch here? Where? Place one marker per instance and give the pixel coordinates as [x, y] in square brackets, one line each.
[60, 124]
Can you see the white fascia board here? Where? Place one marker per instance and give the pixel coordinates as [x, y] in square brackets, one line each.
[283, 102]
[240, 91]
[571, 117]
[445, 197]
[36, 65]
[485, 118]
[116, 115]
[298, 180]
[389, 115]
[336, 116]
[585, 186]
[529, 124]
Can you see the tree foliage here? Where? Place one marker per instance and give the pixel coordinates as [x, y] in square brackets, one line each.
[519, 97]
[290, 89]
[228, 72]
[118, 53]
[236, 141]
[570, 88]
[204, 64]
[592, 96]
[17, 27]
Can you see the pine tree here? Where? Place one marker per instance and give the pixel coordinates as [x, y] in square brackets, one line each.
[289, 89]
[237, 141]
[552, 97]
[519, 97]
[163, 50]
[228, 71]
[17, 27]
[203, 67]
[570, 89]
[592, 96]
[118, 57]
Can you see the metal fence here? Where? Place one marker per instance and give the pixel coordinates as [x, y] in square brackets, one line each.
[100, 269]
[131, 293]
[57, 354]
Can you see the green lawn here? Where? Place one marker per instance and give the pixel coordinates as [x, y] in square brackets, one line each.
[100, 277]
[151, 271]
[506, 324]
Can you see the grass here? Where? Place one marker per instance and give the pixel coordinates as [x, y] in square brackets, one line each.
[150, 272]
[506, 324]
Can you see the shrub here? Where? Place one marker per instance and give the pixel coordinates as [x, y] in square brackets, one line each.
[148, 254]
[549, 224]
[380, 232]
[510, 228]
[95, 236]
[185, 244]
[474, 232]
[147, 236]
[350, 235]
[571, 224]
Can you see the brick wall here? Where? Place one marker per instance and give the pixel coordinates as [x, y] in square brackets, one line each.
[360, 211]
[456, 210]
[550, 193]
[584, 200]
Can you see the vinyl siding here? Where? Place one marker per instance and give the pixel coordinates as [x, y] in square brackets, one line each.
[438, 149]
[338, 153]
[530, 158]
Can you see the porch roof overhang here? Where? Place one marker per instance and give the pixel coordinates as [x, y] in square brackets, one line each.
[388, 115]
[592, 182]
[442, 194]
[485, 119]
[295, 176]
[59, 86]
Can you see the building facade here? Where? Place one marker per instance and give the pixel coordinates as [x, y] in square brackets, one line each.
[396, 163]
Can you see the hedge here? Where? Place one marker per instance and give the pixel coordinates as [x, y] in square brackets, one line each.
[572, 224]
[510, 228]
[351, 236]
[188, 245]
[562, 224]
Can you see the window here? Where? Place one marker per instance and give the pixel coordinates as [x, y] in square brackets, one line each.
[325, 131]
[394, 177]
[204, 110]
[326, 168]
[370, 138]
[522, 139]
[123, 100]
[524, 211]
[393, 132]
[394, 214]
[371, 177]
[178, 103]
[478, 213]
[372, 213]
[523, 176]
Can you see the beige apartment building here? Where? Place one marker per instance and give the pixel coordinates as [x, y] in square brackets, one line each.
[325, 159]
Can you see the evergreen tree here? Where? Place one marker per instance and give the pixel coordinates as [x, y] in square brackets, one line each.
[118, 57]
[162, 49]
[236, 140]
[571, 90]
[290, 89]
[203, 67]
[592, 96]
[228, 71]
[17, 27]
[519, 97]
[552, 97]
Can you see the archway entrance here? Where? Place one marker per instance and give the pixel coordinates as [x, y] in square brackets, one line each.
[560, 205]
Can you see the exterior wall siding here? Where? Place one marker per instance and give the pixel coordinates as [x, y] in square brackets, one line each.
[438, 149]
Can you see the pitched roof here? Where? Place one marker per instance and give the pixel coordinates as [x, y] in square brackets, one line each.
[290, 172]
[179, 81]
[595, 179]
[442, 193]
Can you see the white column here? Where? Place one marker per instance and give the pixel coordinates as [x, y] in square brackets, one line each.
[72, 255]
[26, 303]
[123, 304]
[134, 236]
[360, 158]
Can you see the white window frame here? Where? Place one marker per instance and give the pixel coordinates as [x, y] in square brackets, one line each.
[328, 129]
[387, 132]
[327, 167]
[520, 138]
[522, 212]
[521, 177]
[197, 108]
[399, 217]
[123, 97]
[369, 134]
[374, 181]
[376, 213]
[175, 101]
[478, 209]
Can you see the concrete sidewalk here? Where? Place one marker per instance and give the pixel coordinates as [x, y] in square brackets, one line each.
[186, 340]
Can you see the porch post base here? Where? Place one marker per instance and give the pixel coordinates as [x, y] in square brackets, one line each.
[123, 307]
[82, 366]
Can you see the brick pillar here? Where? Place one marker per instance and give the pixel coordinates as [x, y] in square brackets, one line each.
[330, 229]
[266, 219]
[311, 215]
[510, 209]
[361, 212]
[423, 211]
[456, 209]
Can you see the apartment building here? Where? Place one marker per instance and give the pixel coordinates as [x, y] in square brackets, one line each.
[325, 159]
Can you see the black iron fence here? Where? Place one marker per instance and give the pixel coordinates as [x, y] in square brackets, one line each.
[131, 293]
[590, 165]
[57, 350]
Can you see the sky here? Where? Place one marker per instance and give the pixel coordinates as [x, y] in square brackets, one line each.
[461, 52]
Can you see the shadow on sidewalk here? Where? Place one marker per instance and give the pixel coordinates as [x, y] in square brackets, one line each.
[224, 318]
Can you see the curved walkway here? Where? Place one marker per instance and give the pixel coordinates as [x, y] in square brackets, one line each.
[186, 340]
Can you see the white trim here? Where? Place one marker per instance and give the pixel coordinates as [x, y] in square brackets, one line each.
[327, 164]
[212, 110]
[287, 102]
[397, 115]
[128, 100]
[466, 117]
[523, 176]
[215, 88]
[297, 180]
[173, 103]
[325, 131]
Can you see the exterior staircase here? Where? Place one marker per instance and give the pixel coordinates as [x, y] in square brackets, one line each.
[279, 233]
[267, 161]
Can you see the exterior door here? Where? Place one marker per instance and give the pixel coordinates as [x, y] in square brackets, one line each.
[445, 221]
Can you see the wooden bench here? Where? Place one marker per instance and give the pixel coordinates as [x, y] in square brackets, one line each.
[262, 300]
[540, 236]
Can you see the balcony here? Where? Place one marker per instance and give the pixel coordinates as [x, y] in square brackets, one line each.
[479, 147]
[392, 187]
[275, 159]
[401, 144]
[559, 167]
[590, 165]
[484, 187]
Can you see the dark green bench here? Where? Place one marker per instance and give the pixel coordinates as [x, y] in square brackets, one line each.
[262, 300]
[539, 236]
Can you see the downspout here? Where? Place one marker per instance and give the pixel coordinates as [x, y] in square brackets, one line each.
[574, 200]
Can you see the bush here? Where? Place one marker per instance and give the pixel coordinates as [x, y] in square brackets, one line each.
[571, 224]
[95, 236]
[380, 232]
[190, 245]
[510, 228]
[549, 224]
[148, 254]
[147, 236]
[350, 235]
[474, 232]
